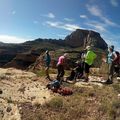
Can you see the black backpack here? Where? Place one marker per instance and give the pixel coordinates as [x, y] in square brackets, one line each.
[53, 85]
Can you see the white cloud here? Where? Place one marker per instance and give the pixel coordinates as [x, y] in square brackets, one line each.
[112, 39]
[49, 15]
[35, 22]
[13, 12]
[97, 26]
[114, 3]
[109, 22]
[96, 11]
[68, 19]
[11, 39]
[54, 24]
[83, 16]
[69, 27]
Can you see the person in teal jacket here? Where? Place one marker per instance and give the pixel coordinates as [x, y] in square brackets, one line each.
[47, 59]
[89, 60]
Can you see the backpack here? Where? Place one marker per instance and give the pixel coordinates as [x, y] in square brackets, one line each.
[117, 61]
[72, 75]
[53, 85]
[65, 91]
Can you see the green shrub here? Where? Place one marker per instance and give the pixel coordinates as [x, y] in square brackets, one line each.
[116, 87]
[55, 103]
[114, 111]
[40, 72]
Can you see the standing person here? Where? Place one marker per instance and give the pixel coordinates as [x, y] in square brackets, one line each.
[110, 60]
[117, 64]
[89, 59]
[47, 59]
[60, 67]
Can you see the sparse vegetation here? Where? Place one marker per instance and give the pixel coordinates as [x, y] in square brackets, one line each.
[116, 87]
[40, 72]
[85, 104]
[55, 103]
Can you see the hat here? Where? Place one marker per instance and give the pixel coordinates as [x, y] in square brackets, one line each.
[88, 47]
[112, 47]
[65, 54]
[77, 62]
[47, 51]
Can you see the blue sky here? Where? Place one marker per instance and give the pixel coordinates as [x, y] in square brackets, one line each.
[22, 20]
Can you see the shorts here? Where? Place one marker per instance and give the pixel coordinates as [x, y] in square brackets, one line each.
[87, 68]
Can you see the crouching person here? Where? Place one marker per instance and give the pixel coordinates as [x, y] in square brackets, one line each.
[77, 72]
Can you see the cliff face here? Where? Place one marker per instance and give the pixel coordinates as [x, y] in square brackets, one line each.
[82, 38]
[22, 61]
[9, 51]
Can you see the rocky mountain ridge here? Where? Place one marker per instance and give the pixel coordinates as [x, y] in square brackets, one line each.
[19, 55]
[85, 37]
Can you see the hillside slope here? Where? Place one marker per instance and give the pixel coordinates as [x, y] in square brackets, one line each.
[23, 96]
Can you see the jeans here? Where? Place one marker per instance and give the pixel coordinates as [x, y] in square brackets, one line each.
[110, 71]
[61, 72]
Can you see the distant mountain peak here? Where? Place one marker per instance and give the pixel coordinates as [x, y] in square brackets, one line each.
[82, 38]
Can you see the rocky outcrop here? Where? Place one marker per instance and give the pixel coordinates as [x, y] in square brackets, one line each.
[82, 38]
[22, 61]
[9, 51]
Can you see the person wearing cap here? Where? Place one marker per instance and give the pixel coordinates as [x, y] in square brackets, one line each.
[89, 59]
[110, 60]
[47, 59]
[60, 67]
[76, 72]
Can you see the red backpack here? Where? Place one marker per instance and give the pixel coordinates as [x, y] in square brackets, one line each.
[65, 91]
[117, 60]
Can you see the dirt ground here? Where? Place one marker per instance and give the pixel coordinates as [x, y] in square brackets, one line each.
[21, 90]
[16, 87]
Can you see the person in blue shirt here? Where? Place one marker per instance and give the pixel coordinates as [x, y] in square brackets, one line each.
[47, 60]
[111, 57]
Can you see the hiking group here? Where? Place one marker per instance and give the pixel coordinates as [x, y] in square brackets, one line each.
[82, 69]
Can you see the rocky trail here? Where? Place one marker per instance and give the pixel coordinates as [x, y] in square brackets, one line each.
[18, 87]
[93, 81]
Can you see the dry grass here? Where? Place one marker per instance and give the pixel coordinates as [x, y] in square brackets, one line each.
[41, 72]
[84, 104]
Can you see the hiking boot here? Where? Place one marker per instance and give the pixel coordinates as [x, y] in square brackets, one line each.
[48, 78]
[1, 91]
[58, 78]
[85, 80]
[83, 77]
[109, 81]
